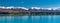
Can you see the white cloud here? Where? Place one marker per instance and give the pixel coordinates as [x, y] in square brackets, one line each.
[2, 7]
[10, 7]
[23, 8]
[35, 8]
[49, 8]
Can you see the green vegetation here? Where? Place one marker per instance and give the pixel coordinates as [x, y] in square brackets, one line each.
[41, 13]
[32, 13]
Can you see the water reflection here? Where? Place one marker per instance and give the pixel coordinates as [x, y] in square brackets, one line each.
[30, 19]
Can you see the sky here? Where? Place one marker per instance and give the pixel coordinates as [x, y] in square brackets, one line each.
[31, 3]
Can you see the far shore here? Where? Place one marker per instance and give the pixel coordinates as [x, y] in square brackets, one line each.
[31, 13]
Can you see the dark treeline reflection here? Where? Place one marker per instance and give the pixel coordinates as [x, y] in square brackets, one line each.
[28, 14]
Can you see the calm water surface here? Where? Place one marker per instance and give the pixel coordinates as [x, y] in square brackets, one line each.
[30, 19]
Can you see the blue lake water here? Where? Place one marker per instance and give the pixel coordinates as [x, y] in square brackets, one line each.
[30, 19]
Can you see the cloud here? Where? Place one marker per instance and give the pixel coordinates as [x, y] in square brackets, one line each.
[35, 7]
[23, 8]
[2, 7]
[9, 7]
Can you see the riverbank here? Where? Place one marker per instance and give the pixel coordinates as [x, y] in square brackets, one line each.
[32, 13]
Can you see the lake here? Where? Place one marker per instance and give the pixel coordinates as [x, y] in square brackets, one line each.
[30, 19]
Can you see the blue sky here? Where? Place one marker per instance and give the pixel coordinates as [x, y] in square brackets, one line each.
[31, 3]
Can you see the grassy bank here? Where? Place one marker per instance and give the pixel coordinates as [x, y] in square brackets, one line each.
[41, 13]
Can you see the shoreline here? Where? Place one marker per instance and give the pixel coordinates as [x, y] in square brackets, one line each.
[31, 13]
